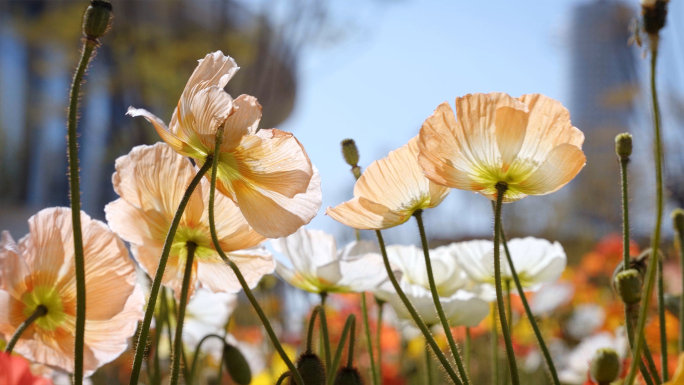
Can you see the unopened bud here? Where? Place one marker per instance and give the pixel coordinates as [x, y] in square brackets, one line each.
[623, 145]
[605, 366]
[628, 285]
[236, 365]
[311, 369]
[678, 220]
[348, 376]
[97, 19]
[350, 152]
[654, 13]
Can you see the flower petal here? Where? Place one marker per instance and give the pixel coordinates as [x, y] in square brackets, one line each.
[560, 167]
[511, 125]
[307, 249]
[13, 269]
[360, 213]
[253, 263]
[209, 110]
[171, 139]
[244, 121]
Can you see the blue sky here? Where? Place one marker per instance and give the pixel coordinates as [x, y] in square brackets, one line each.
[380, 86]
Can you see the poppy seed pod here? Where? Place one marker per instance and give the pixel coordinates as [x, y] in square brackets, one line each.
[311, 369]
[350, 152]
[605, 366]
[97, 19]
[678, 219]
[236, 364]
[348, 376]
[623, 145]
[654, 14]
[628, 285]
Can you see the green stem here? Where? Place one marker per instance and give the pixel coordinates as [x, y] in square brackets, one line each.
[309, 335]
[631, 315]
[414, 314]
[159, 326]
[350, 349]
[324, 334]
[418, 214]
[378, 335]
[180, 317]
[40, 311]
[467, 350]
[495, 346]
[156, 283]
[369, 343]
[661, 318]
[533, 321]
[428, 364]
[349, 325]
[283, 377]
[680, 235]
[501, 190]
[245, 287]
[625, 213]
[75, 197]
[655, 240]
[197, 353]
[509, 307]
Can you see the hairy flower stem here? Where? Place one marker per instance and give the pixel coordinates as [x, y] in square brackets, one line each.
[428, 364]
[661, 318]
[40, 311]
[349, 327]
[180, 317]
[418, 214]
[533, 322]
[414, 314]
[625, 213]
[378, 335]
[89, 46]
[467, 350]
[245, 287]
[655, 239]
[494, 336]
[632, 313]
[156, 283]
[500, 191]
[319, 310]
[369, 342]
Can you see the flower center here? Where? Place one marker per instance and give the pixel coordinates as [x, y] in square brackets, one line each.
[51, 299]
[199, 236]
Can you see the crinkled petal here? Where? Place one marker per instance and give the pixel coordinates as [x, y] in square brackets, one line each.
[209, 110]
[170, 138]
[560, 167]
[13, 269]
[244, 121]
[511, 125]
[253, 263]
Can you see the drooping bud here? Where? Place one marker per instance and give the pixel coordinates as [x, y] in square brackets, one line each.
[605, 366]
[311, 369]
[97, 19]
[236, 365]
[654, 13]
[623, 145]
[348, 376]
[628, 285]
[350, 152]
[678, 220]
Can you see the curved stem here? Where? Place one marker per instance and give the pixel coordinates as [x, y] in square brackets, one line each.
[495, 346]
[40, 311]
[332, 371]
[414, 314]
[501, 190]
[369, 342]
[533, 322]
[156, 283]
[197, 352]
[283, 377]
[428, 364]
[418, 214]
[655, 240]
[309, 335]
[75, 197]
[180, 317]
[378, 335]
[661, 318]
[245, 287]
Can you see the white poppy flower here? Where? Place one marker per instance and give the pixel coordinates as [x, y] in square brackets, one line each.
[461, 306]
[318, 266]
[537, 261]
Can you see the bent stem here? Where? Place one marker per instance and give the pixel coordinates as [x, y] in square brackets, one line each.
[418, 214]
[349, 325]
[655, 240]
[533, 322]
[369, 343]
[319, 310]
[156, 283]
[414, 314]
[214, 237]
[501, 190]
[180, 317]
[40, 311]
[197, 352]
[75, 197]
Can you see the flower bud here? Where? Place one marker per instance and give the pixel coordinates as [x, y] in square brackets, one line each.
[97, 19]
[628, 285]
[678, 220]
[350, 152]
[654, 13]
[236, 365]
[605, 366]
[623, 145]
[348, 376]
[311, 369]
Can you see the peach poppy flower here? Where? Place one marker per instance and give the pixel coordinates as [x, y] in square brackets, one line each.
[151, 181]
[40, 271]
[266, 172]
[528, 143]
[389, 191]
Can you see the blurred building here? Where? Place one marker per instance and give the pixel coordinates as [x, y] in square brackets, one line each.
[603, 83]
